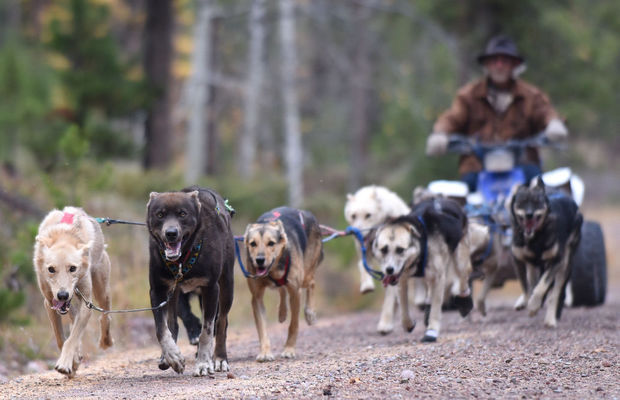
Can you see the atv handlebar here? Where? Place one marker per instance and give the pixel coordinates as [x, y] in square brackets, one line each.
[463, 144]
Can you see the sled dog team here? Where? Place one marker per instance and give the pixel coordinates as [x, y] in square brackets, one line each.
[426, 254]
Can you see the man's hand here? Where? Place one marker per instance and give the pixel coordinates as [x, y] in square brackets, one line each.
[436, 144]
[556, 130]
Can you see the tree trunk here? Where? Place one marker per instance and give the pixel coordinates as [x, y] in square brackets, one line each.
[360, 97]
[256, 68]
[196, 151]
[157, 67]
[213, 139]
[293, 149]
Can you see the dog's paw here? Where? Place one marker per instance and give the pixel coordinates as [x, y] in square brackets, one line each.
[310, 316]
[221, 365]
[173, 358]
[288, 353]
[106, 342]
[551, 322]
[463, 304]
[533, 305]
[264, 357]
[367, 287]
[430, 336]
[481, 307]
[408, 325]
[67, 368]
[385, 328]
[204, 368]
[282, 314]
[520, 303]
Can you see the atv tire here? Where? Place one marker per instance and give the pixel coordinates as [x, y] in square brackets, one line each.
[589, 267]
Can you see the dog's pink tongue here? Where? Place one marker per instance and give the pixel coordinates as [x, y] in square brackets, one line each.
[529, 226]
[173, 252]
[57, 305]
[388, 280]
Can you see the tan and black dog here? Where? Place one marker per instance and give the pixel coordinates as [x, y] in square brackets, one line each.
[283, 250]
[191, 247]
[546, 233]
[70, 256]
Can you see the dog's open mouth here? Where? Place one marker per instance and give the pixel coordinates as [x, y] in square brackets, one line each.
[172, 250]
[61, 306]
[529, 225]
[391, 279]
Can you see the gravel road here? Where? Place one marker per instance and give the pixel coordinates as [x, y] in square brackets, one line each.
[505, 355]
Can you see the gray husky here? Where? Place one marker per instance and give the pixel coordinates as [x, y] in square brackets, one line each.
[546, 233]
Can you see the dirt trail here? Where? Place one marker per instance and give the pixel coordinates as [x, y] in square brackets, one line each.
[505, 355]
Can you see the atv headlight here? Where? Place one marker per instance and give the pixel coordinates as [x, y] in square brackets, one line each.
[499, 160]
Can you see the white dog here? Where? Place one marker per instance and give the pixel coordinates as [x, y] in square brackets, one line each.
[69, 254]
[369, 207]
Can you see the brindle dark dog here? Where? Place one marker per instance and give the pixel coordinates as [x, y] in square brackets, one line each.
[191, 247]
[546, 233]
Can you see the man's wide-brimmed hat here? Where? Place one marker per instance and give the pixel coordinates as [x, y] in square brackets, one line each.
[500, 45]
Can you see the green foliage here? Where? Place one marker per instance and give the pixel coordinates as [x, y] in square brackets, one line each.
[9, 302]
[25, 85]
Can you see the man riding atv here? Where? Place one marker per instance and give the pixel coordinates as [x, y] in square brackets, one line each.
[497, 108]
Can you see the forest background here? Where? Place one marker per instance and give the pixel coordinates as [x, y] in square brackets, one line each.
[269, 102]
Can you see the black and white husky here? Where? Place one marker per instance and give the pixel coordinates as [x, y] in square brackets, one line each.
[431, 242]
[546, 233]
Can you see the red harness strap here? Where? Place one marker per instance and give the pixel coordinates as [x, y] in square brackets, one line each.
[282, 281]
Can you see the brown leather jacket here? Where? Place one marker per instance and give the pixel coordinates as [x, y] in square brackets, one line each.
[472, 114]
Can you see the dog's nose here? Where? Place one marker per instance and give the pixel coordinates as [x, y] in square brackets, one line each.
[529, 215]
[63, 295]
[260, 260]
[389, 270]
[172, 233]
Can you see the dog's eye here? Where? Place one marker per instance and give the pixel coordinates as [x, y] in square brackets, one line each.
[159, 215]
[271, 243]
[72, 268]
[353, 216]
[384, 250]
[253, 244]
[182, 214]
[367, 216]
[399, 250]
[51, 270]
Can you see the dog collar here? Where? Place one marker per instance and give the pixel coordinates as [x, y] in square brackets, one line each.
[283, 281]
[180, 268]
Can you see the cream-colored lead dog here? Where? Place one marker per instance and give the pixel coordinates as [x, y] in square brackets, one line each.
[69, 254]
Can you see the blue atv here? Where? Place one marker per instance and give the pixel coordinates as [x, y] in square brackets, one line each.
[502, 169]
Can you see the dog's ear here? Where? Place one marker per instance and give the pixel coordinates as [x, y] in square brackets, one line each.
[44, 241]
[152, 196]
[194, 196]
[283, 237]
[246, 234]
[537, 183]
[510, 199]
[85, 251]
[369, 239]
[413, 231]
